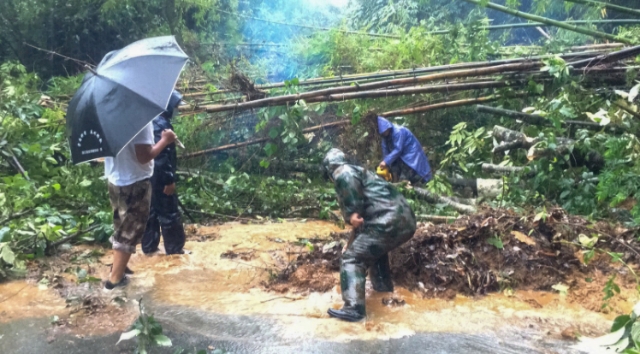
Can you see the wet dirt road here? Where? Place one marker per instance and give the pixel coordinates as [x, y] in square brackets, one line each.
[213, 298]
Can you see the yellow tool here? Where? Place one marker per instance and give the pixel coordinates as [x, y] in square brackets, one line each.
[384, 173]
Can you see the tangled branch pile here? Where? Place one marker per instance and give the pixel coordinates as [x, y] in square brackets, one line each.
[497, 249]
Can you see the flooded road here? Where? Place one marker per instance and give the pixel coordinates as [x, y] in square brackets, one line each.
[214, 297]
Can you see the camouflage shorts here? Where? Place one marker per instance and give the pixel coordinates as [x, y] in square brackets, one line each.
[130, 213]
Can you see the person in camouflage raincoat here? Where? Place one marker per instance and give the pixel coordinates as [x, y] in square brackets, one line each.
[382, 219]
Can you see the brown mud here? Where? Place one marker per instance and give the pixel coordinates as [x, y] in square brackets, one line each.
[496, 251]
[288, 272]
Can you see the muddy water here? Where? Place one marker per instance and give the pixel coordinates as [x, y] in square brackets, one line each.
[232, 287]
[19, 300]
[209, 285]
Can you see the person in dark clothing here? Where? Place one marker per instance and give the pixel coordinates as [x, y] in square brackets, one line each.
[382, 220]
[403, 154]
[164, 201]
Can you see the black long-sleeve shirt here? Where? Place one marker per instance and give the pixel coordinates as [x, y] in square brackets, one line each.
[165, 164]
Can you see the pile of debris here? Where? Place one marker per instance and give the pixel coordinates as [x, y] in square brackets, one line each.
[486, 252]
[499, 249]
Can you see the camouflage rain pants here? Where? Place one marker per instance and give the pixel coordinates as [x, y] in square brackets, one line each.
[369, 251]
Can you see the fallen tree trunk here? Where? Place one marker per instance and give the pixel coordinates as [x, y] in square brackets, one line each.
[491, 168]
[480, 187]
[548, 21]
[593, 160]
[434, 198]
[437, 219]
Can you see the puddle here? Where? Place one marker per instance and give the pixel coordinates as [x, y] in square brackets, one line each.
[19, 299]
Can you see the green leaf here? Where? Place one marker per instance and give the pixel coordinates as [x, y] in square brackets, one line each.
[85, 183]
[635, 333]
[615, 257]
[270, 149]
[56, 186]
[7, 254]
[588, 256]
[620, 322]
[4, 232]
[496, 242]
[162, 340]
[587, 242]
[129, 335]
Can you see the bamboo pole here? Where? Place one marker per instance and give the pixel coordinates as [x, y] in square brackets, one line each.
[453, 87]
[529, 118]
[261, 140]
[442, 105]
[548, 21]
[607, 58]
[409, 72]
[481, 83]
[540, 24]
[600, 4]
[283, 100]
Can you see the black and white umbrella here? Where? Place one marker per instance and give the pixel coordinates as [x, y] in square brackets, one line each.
[128, 89]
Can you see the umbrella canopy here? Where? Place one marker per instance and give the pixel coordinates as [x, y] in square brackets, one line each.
[129, 88]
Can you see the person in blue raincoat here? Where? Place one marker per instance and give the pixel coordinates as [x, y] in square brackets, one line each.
[403, 154]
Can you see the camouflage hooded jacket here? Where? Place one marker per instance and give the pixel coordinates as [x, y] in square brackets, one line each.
[381, 206]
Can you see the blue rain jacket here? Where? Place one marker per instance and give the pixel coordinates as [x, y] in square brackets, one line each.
[404, 145]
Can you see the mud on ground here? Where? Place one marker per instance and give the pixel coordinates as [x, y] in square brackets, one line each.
[494, 251]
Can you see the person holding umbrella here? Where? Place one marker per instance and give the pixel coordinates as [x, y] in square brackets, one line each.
[164, 201]
[130, 191]
[109, 116]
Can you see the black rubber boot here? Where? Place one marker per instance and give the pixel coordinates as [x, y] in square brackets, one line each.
[380, 275]
[347, 314]
[173, 233]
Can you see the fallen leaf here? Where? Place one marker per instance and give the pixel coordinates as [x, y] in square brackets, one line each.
[523, 238]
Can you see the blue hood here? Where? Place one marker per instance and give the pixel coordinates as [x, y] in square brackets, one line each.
[402, 144]
[383, 125]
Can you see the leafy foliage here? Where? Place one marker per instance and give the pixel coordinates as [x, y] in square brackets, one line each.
[147, 332]
[42, 197]
[624, 336]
